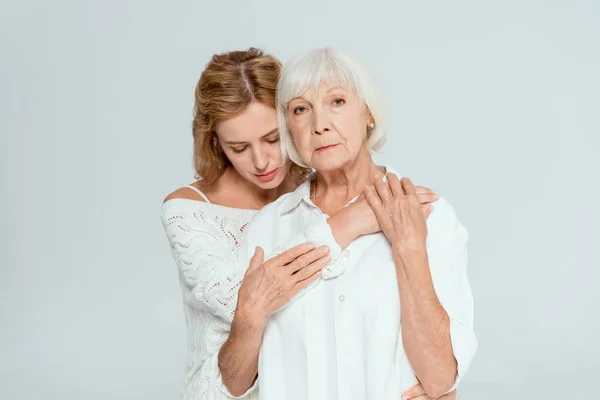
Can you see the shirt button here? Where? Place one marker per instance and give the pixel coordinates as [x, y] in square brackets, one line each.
[346, 253]
[341, 298]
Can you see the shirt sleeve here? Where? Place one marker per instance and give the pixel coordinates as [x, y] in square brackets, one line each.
[319, 232]
[204, 383]
[206, 262]
[262, 232]
[448, 265]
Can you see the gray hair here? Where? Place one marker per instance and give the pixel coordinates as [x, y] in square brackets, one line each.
[327, 66]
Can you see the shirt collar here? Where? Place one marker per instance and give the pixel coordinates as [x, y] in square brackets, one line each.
[302, 192]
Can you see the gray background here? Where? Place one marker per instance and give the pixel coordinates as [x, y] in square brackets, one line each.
[494, 104]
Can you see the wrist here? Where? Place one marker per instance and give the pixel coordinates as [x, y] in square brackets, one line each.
[343, 231]
[248, 318]
[408, 257]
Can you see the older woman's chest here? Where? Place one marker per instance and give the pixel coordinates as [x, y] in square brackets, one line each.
[360, 308]
[369, 286]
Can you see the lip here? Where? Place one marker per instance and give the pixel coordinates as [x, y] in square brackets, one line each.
[266, 177]
[328, 147]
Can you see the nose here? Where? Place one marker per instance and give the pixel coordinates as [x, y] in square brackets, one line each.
[260, 160]
[322, 123]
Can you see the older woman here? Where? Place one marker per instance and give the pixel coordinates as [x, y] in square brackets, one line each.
[395, 308]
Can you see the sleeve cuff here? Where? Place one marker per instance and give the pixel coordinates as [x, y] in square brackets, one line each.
[319, 232]
[464, 346]
[250, 391]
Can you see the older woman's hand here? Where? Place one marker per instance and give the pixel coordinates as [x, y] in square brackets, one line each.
[359, 219]
[362, 213]
[418, 393]
[269, 285]
[399, 212]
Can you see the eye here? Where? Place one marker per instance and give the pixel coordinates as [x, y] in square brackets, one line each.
[238, 151]
[339, 102]
[273, 141]
[299, 110]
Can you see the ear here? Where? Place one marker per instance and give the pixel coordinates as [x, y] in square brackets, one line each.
[370, 120]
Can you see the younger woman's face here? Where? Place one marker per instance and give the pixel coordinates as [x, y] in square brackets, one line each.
[250, 141]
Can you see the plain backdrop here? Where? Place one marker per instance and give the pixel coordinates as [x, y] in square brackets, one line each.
[494, 104]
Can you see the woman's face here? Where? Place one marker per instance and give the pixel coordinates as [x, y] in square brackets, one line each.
[251, 142]
[329, 127]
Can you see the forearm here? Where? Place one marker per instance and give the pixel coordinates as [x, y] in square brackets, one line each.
[425, 324]
[238, 357]
[344, 232]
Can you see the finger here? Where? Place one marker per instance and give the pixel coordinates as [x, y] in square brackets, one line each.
[304, 283]
[421, 397]
[257, 259]
[425, 190]
[374, 171]
[426, 195]
[290, 255]
[427, 210]
[306, 259]
[383, 189]
[449, 396]
[413, 392]
[426, 198]
[395, 184]
[311, 269]
[408, 186]
[372, 197]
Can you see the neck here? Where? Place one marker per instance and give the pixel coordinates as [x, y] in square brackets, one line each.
[335, 188]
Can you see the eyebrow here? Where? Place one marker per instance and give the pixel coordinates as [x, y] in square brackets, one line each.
[272, 131]
[331, 89]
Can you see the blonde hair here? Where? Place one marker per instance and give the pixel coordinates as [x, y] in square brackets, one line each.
[327, 66]
[229, 83]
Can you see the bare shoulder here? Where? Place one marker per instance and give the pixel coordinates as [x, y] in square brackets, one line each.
[188, 192]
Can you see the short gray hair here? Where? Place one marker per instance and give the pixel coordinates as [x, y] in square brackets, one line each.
[327, 66]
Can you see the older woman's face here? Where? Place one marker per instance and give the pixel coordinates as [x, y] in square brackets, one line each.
[329, 127]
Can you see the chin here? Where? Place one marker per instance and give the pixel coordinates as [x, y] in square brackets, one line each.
[268, 185]
[327, 165]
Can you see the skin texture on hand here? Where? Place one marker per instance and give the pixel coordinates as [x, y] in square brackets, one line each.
[399, 212]
[359, 219]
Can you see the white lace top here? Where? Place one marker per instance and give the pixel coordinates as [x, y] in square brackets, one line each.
[204, 239]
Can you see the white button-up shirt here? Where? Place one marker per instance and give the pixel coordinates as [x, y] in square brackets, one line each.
[340, 338]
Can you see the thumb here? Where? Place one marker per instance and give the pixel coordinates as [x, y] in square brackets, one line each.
[257, 259]
[414, 392]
